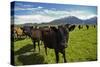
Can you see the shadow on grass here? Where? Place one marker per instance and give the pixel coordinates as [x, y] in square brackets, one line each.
[28, 57]
[24, 49]
[18, 39]
[34, 58]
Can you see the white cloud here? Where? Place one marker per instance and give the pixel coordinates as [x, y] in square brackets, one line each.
[49, 15]
[32, 19]
[28, 8]
[79, 14]
[27, 5]
[39, 7]
[18, 8]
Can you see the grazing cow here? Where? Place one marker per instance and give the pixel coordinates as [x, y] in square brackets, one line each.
[80, 27]
[57, 39]
[94, 26]
[87, 26]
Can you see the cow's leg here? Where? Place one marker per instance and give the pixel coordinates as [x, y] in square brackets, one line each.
[45, 49]
[17, 36]
[34, 45]
[20, 36]
[39, 45]
[57, 56]
[63, 52]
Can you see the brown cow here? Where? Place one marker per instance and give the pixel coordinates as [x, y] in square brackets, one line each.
[18, 32]
[34, 34]
[36, 37]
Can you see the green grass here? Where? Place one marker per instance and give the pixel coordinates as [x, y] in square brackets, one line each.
[82, 47]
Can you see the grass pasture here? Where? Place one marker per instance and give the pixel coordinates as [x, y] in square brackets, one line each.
[82, 47]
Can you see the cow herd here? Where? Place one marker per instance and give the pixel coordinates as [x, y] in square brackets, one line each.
[87, 26]
[52, 37]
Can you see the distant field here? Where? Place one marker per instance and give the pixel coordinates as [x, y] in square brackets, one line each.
[82, 47]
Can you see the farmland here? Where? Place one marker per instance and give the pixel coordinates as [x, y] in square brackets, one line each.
[82, 47]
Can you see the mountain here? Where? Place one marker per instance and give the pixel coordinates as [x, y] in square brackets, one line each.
[69, 20]
[65, 20]
[74, 20]
[29, 24]
[92, 20]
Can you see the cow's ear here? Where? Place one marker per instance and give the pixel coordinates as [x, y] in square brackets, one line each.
[71, 27]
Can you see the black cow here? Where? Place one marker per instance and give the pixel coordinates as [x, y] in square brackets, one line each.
[57, 39]
[94, 26]
[87, 26]
[80, 27]
[27, 30]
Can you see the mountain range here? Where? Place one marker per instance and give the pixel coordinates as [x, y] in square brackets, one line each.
[74, 20]
[66, 20]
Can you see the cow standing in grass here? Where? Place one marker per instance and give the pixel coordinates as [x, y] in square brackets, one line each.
[57, 39]
[36, 37]
[94, 26]
[34, 34]
[87, 26]
[80, 27]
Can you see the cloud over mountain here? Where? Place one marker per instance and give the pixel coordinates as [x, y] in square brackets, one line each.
[27, 12]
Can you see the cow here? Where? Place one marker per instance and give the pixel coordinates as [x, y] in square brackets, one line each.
[87, 26]
[36, 37]
[18, 32]
[94, 26]
[80, 27]
[27, 30]
[34, 34]
[57, 39]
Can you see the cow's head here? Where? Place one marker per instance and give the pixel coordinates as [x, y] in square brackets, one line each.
[70, 27]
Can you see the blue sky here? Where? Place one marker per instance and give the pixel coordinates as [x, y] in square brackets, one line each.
[35, 12]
